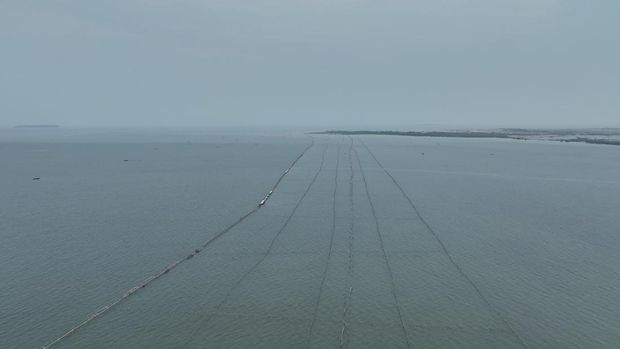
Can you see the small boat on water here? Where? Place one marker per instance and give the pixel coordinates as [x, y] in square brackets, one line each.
[264, 200]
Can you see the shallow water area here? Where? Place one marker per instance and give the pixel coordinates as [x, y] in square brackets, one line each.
[367, 241]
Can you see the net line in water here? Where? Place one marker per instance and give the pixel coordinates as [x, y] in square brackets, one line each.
[239, 281]
[445, 250]
[329, 253]
[106, 308]
[388, 266]
[350, 242]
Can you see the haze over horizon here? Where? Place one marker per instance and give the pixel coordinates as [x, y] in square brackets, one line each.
[342, 63]
[316, 174]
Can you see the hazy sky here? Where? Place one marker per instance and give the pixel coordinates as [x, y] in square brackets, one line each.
[338, 62]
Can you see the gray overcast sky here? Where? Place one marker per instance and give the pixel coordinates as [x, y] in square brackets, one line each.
[300, 62]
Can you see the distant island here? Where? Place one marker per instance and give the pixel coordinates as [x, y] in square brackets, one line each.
[37, 126]
[608, 136]
[593, 141]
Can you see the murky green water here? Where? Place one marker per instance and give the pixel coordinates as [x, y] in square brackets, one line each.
[367, 242]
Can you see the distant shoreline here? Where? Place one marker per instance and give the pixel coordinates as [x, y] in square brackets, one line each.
[590, 136]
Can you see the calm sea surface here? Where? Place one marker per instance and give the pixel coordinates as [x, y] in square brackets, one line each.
[368, 241]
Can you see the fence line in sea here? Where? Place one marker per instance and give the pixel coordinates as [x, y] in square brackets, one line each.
[106, 308]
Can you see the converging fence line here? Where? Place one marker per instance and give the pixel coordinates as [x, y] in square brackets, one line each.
[152, 278]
